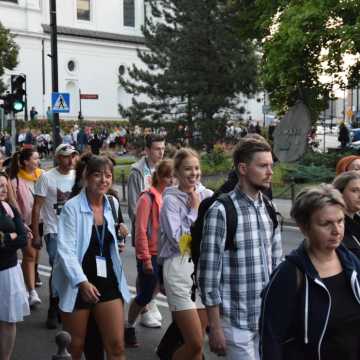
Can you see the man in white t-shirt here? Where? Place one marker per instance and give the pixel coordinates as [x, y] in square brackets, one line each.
[52, 190]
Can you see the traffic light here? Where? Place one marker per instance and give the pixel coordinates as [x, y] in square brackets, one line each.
[18, 86]
[7, 103]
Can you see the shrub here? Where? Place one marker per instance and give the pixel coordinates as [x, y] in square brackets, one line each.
[328, 160]
[281, 171]
[310, 174]
[215, 162]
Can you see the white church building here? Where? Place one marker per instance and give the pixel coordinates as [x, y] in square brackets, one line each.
[97, 41]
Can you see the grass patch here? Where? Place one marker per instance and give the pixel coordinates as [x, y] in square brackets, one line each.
[124, 161]
[118, 171]
[213, 184]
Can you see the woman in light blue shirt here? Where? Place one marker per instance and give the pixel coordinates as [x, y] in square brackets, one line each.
[88, 274]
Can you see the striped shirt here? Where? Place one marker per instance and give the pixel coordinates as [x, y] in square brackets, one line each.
[234, 279]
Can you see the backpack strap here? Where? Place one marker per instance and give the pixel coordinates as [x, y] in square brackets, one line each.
[274, 215]
[231, 220]
[113, 209]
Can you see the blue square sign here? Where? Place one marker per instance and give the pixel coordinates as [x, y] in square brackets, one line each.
[60, 102]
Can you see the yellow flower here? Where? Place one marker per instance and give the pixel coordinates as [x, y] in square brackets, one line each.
[185, 244]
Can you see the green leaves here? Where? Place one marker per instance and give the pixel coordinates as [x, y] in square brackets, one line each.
[304, 49]
[195, 63]
[8, 53]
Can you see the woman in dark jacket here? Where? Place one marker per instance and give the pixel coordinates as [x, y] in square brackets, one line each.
[13, 297]
[348, 183]
[311, 306]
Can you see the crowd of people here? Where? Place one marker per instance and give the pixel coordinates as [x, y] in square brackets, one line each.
[240, 291]
[82, 138]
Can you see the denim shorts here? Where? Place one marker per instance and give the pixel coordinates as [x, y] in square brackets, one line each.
[146, 282]
[51, 246]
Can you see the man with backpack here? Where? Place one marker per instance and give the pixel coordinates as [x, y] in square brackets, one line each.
[240, 246]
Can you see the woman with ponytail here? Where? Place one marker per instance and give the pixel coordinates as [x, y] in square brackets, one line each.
[147, 227]
[24, 172]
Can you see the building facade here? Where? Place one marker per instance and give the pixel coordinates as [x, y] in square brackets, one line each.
[97, 41]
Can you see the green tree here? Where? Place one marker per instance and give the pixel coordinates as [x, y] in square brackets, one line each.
[304, 45]
[8, 54]
[194, 66]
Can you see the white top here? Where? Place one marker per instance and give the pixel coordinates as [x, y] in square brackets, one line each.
[55, 188]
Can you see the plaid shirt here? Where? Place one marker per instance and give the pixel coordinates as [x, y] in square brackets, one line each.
[234, 279]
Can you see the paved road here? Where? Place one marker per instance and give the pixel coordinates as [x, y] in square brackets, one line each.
[35, 342]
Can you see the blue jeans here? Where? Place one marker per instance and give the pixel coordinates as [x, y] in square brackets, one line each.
[51, 246]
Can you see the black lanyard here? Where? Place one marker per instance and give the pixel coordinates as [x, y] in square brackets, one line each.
[101, 237]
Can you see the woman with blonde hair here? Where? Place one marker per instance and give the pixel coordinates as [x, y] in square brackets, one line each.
[179, 211]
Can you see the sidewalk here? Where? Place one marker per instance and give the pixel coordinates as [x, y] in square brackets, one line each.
[284, 207]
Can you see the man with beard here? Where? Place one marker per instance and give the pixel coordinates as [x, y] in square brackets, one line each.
[231, 280]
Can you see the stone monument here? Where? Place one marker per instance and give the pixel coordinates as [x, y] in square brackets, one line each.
[290, 135]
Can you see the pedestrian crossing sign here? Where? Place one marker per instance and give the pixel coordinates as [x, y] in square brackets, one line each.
[60, 102]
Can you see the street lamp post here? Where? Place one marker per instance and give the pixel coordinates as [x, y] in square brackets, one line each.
[264, 110]
[54, 70]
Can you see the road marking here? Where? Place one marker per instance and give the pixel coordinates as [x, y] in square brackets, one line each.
[290, 227]
[160, 298]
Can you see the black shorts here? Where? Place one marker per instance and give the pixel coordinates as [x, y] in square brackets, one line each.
[109, 295]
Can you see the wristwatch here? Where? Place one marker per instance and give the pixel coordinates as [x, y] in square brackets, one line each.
[2, 239]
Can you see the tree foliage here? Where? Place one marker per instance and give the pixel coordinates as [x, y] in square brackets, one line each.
[306, 45]
[194, 66]
[8, 54]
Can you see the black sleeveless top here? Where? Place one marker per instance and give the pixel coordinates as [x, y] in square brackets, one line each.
[342, 337]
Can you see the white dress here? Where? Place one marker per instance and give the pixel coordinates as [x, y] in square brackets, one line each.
[14, 303]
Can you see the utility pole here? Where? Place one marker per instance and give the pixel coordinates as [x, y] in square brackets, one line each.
[54, 70]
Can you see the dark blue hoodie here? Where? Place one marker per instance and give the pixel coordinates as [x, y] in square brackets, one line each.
[296, 307]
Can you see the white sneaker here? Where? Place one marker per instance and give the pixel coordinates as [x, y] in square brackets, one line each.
[149, 321]
[154, 310]
[34, 298]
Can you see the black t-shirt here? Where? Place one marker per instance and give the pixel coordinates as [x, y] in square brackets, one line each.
[342, 337]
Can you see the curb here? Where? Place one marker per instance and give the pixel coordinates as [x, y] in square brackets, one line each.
[289, 222]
